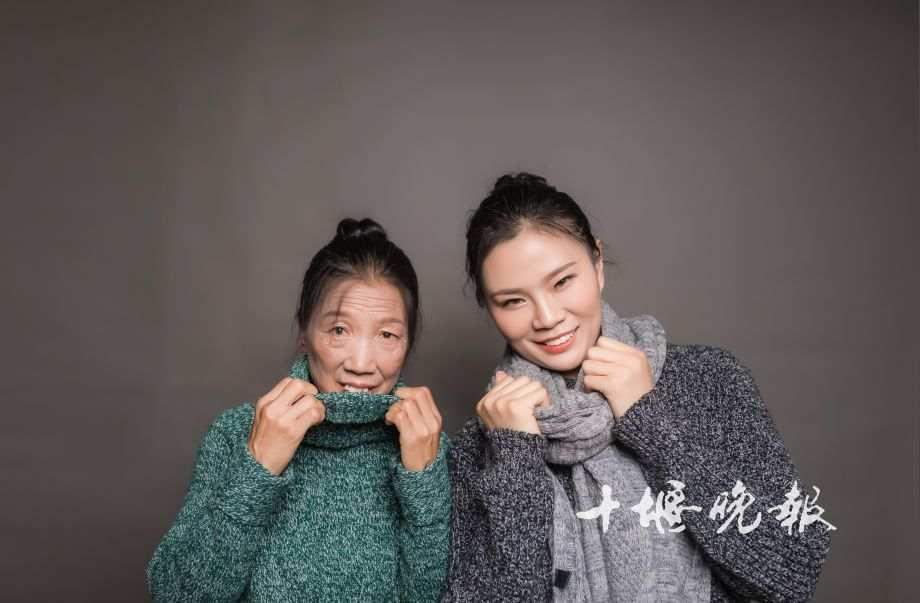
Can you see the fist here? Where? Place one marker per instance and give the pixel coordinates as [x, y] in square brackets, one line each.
[418, 421]
[511, 403]
[282, 418]
[619, 372]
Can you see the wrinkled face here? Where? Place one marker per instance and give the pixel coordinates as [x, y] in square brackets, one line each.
[543, 291]
[357, 337]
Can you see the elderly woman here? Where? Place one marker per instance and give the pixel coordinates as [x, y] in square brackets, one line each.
[334, 485]
[607, 463]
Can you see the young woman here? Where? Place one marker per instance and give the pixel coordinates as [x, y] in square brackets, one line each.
[334, 485]
[606, 463]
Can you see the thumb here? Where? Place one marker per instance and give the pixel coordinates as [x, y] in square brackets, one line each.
[540, 399]
[391, 414]
[499, 377]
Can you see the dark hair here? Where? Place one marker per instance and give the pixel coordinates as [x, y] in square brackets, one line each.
[360, 250]
[519, 201]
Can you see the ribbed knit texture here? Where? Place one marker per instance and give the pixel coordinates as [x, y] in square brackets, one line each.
[345, 521]
[705, 424]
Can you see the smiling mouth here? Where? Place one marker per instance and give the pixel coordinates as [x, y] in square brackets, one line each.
[558, 341]
[355, 388]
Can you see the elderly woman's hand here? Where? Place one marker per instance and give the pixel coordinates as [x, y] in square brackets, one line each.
[418, 421]
[621, 373]
[282, 418]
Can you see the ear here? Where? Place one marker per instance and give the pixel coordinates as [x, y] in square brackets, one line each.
[599, 264]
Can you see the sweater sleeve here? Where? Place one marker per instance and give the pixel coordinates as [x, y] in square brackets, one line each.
[502, 521]
[424, 527]
[210, 551]
[709, 449]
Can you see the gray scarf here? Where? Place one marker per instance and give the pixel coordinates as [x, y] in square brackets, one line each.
[627, 562]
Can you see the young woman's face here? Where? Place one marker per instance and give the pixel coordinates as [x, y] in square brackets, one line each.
[543, 291]
[357, 337]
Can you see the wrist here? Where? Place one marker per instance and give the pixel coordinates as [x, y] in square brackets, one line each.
[416, 459]
[531, 427]
[271, 467]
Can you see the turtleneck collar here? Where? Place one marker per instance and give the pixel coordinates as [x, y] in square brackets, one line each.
[352, 418]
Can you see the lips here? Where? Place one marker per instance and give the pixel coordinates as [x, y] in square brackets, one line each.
[560, 343]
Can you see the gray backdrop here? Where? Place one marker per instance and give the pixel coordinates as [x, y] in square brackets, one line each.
[168, 170]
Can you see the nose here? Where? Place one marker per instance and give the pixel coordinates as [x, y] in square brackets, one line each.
[547, 314]
[360, 360]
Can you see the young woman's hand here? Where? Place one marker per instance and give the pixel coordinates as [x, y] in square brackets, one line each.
[511, 403]
[282, 418]
[621, 373]
[418, 421]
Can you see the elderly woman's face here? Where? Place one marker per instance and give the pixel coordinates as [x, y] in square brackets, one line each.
[357, 337]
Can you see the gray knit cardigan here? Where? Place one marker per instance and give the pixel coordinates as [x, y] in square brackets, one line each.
[704, 424]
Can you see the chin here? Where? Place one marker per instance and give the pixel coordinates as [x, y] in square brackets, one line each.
[568, 362]
[564, 367]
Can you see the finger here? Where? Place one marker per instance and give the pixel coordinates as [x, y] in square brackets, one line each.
[498, 378]
[405, 392]
[300, 405]
[273, 393]
[594, 382]
[624, 359]
[529, 390]
[421, 393]
[508, 386]
[412, 424]
[391, 413]
[427, 404]
[311, 410]
[429, 414]
[483, 411]
[526, 390]
[294, 391]
[603, 354]
[495, 389]
[617, 346]
[499, 402]
[531, 400]
[598, 367]
[397, 419]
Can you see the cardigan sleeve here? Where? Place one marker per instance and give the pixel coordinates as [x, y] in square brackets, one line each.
[709, 439]
[210, 551]
[502, 520]
[424, 527]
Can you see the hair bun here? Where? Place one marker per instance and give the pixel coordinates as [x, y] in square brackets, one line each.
[349, 228]
[519, 179]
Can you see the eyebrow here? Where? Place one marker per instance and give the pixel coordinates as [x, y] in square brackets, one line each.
[346, 314]
[549, 276]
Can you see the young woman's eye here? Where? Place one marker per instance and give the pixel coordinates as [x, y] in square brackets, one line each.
[561, 282]
[388, 335]
[337, 330]
[510, 302]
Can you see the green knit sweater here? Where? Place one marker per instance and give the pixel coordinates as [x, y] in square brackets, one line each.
[345, 521]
